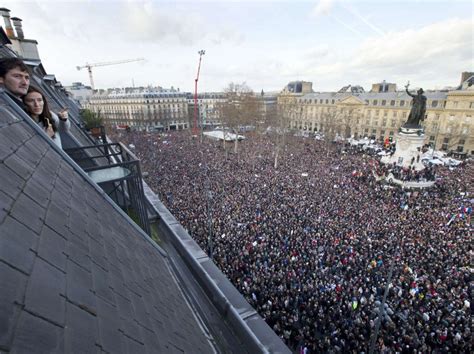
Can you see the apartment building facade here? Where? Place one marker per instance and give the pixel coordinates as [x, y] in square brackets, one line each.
[141, 108]
[448, 123]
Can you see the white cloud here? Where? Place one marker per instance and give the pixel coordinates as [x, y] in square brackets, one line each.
[245, 43]
[427, 56]
[441, 44]
[322, 8]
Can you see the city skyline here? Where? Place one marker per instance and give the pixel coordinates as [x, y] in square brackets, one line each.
[265, 44]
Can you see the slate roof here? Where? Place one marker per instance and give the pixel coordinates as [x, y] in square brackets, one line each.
[76, 275]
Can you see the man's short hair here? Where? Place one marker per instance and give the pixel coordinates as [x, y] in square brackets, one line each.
[7, 64]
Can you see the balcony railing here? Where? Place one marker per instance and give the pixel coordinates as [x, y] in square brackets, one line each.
[117, 170]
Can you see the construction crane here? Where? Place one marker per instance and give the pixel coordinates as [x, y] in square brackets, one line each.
[90, 66]
[195, 127]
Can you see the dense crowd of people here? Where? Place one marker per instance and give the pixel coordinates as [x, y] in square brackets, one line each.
[313, 243]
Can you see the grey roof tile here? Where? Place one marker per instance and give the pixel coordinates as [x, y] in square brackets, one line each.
[140, 311]
[61, 187]
[11, 184]
[37, 193]
[112, 258]
[79, 288]
[124, 306]
[130, 327]
[21, 133]
[78, 252]
[13, 285]
[174, 348]
[29, 212]
[52, 247]
[44, 294]
[77, 224]
[16, 243]
[6, 114]
[5, 204]
[152, 342]
[110, 338]
[35, 335]
[18, 165]
[57, 219]
[98, 254]
[133, 346]
[118, 286]
[32, 156]
[100, 284]
[7, 144]
[81, 330]
[51, 161]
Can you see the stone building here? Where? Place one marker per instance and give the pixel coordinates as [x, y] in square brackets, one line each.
[208, 108]
[144, 108]
[449, 123]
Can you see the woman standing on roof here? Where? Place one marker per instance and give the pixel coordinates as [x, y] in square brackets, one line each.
[38, 110]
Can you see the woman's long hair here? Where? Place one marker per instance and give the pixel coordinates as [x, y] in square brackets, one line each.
[44, 116]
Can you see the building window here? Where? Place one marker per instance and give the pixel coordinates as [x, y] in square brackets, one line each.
[402, 103]
[392, 103]
[384, 102]
[434, 104]
[445, 140]
[471, 105]
[455, 104]
[432, 137]
[375, 102]
[444, 147]
[462, 142]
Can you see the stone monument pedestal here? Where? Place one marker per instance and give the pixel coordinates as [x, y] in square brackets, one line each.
[409, 142]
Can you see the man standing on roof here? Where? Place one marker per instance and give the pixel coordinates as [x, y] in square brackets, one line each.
[15, 78]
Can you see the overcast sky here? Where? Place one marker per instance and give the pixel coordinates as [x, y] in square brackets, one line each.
[263, 43]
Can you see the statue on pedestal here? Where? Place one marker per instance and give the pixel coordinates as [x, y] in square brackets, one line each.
[418, 109]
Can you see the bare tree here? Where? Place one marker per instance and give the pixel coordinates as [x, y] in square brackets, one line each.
[241, 108]
[280, 124]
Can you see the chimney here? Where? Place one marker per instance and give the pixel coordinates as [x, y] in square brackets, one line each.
[19, 31]
[465, 75]
[8, 24]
